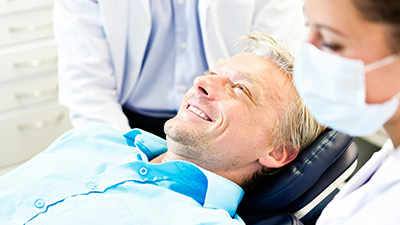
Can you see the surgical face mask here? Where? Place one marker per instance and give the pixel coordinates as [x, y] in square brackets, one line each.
[334, 90]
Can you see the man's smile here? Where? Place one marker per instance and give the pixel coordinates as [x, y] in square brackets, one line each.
[198, 112]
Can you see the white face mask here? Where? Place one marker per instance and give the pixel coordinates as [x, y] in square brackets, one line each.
[334, 90]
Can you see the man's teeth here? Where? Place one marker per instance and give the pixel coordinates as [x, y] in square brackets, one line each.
[198, 112]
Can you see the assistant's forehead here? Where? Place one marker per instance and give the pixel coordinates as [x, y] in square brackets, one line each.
[323, 14]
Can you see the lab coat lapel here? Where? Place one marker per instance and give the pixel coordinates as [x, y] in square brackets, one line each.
[115, 27]
[140, 22]
[118, 21]
[213, 42]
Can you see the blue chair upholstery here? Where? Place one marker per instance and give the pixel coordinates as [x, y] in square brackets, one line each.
[306, 185]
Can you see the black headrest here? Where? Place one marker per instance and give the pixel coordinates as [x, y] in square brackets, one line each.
[296, 178]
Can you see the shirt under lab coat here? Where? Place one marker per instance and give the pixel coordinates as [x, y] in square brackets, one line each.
[372, 196]
[92, 37]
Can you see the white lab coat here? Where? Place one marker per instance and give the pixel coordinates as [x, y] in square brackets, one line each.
[375, 202]
[92, 37]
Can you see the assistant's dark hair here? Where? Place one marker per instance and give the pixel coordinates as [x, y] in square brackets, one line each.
[383, 11]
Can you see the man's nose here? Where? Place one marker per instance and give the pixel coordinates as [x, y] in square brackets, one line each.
[210, 86]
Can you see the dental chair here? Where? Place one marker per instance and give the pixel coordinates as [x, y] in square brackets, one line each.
[300, 190]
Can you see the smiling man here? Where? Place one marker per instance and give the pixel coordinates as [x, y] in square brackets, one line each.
[226, 119]
[237, 123]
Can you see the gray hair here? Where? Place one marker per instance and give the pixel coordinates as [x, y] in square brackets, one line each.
[265, 46]
[295, 126]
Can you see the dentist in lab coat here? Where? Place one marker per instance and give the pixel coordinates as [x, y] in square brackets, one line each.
[128, 63]
[349, 76]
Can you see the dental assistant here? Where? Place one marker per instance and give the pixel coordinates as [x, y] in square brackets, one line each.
[349, 76]
[128, 63]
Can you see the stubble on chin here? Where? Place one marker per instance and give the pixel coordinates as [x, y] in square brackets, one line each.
[193, 145]
[184, 141]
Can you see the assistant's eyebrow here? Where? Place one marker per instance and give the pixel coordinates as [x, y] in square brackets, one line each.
[321, 26]
[333, 30]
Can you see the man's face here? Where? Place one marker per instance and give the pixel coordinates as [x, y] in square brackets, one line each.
[225, 119]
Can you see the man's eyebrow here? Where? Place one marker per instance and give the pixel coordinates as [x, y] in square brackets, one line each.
[220, 62]
[250, 78]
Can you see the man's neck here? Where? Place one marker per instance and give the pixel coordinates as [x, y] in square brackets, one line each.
[235, 176]
[166, 157]
[159, 159]
[238, 175]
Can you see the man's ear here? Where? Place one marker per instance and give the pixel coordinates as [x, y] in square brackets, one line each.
[279, 157]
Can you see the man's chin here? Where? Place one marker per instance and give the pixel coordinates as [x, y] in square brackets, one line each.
[169, 127]
[179, 132]
[174, 130]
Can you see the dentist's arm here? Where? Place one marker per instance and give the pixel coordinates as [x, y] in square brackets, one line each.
[87, 84]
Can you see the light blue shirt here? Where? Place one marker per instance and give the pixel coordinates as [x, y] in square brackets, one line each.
[96, 175]
[174, 57]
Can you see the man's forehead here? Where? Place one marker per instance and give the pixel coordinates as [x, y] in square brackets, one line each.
[238, 67]
[266, 77]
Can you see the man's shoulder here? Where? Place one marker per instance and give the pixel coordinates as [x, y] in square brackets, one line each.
[89, 133]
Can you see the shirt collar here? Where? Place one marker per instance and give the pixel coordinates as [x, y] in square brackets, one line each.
[216, 196]
[150, 144]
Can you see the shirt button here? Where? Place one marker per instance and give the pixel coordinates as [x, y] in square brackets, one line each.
[90, 185]
[181, 1]
[143, 170]
[39, 203]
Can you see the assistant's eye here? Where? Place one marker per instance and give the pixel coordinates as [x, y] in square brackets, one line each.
[331, 47]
